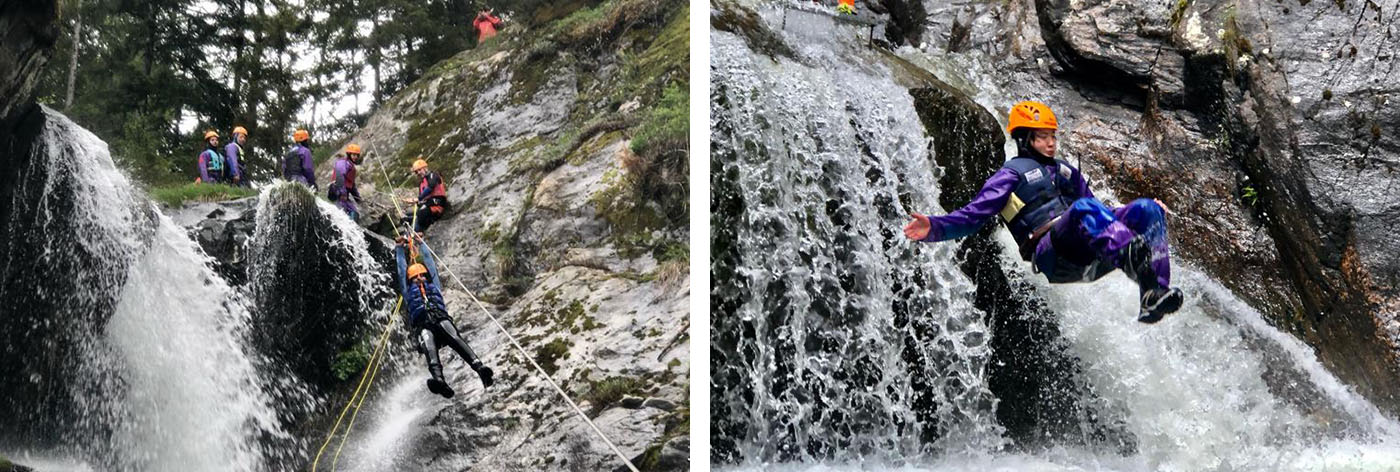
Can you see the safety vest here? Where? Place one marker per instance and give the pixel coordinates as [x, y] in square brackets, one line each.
[1038, 198]
[214, 162]
[438, 197]
[291, 163]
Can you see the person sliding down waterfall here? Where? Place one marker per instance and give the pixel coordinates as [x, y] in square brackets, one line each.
[1038, 196]
[428, 318]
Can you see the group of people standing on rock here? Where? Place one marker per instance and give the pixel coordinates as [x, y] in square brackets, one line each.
[419, 283]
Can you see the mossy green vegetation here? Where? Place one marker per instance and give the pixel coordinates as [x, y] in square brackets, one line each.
[666, 127]
[549, 354]
[351, 361]
[175, 196]
[607, 392]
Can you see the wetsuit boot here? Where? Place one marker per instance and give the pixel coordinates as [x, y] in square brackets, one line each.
[1155, 301]
[436, 383]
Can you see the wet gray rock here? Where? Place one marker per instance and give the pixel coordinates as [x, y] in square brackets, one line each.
[28, 31]
[222, 230]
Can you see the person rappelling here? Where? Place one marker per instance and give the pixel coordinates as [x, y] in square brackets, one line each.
[342, 190]
[212, 168]
[428, 320]
[1061, 228]
[297, 165]
[431, 203]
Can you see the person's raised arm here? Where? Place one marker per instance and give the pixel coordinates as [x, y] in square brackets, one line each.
[429, 262]
[402, 262]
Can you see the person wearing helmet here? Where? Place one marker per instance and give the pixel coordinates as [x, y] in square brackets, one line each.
[1061, 228]
[342, 190]
[233, 154]
[297, 165]
[428, 320]
[486, 25]
[846, 6]
[212, 168]
[431, 203]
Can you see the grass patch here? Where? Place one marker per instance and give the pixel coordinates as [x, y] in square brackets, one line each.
[666, 127]
[177, 195]
[550, 353]
[607, 392]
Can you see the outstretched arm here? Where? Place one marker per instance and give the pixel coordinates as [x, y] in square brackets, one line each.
[968, 219]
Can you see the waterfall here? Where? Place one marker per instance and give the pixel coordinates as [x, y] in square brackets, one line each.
[839, 345]
[844, 343]
[135, 354]
[135, 348]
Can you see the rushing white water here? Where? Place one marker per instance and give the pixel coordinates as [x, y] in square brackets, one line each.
[166, 382]
[836, 373]
[193, 398]
[820, 158]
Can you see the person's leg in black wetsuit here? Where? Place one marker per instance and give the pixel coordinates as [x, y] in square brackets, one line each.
[428, 338]
[449, 333]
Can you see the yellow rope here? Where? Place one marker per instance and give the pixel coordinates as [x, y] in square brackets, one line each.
[357, 399]
[379, 348]
[375, 363]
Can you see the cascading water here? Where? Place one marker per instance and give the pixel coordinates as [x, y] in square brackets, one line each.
[134, 353]
[160, 377]
[833, 340]
[837, 344]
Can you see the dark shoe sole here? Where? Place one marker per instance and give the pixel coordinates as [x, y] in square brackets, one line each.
[1168, 303]
[441, 388]
[487, 376]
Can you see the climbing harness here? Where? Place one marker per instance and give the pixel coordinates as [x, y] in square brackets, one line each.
[531, 359]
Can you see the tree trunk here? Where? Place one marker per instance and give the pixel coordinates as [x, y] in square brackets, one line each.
[73, 62]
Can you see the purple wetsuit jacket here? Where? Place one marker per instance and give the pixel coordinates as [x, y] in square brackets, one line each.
[231, 154]
[308, 171]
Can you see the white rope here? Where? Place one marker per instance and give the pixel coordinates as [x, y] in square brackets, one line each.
[522, 350]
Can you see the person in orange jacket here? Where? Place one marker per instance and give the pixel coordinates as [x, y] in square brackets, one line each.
[846, 6]
[486, 25]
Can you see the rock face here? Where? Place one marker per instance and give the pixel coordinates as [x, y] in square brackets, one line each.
[28, 30]
[1263, 120]
[1262, 125]
[532, 133]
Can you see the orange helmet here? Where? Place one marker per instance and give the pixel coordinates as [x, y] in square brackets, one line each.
[352, 149]
[301, 135]
[240, 130]
[419, 164]
[1030, 114]
[416, 270]
[210, 134]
